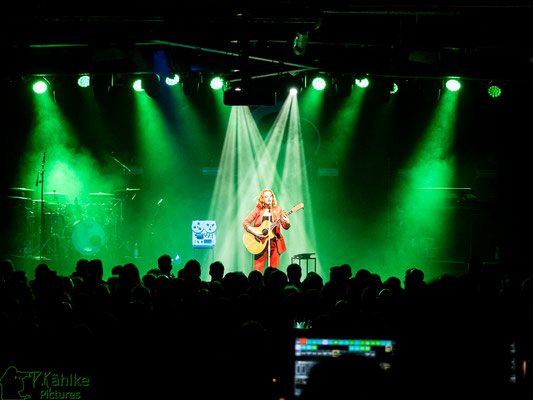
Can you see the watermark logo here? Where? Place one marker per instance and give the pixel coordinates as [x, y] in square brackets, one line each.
[18, 384]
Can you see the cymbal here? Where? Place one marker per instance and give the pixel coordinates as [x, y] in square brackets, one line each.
[19, 198]
[55, 194]
[100, 194]
[22, 189]
[128, 190]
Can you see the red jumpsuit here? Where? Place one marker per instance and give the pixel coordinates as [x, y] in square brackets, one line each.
[277, 245]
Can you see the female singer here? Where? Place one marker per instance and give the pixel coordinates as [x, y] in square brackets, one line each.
[266, 209]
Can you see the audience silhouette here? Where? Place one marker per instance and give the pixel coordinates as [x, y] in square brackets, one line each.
[158, 335]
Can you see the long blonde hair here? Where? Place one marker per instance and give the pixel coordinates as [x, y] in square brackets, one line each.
[261, 201]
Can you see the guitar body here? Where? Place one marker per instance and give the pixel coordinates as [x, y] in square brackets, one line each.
[255, 245]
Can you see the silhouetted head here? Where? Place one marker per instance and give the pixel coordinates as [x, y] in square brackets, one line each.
[294, 272]
[216, 271]
[193, 267]
[95, 269]
[164, 264]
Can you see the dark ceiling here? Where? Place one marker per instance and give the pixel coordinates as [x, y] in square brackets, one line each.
[485, 41]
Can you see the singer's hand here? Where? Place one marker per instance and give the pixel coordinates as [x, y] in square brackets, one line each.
[259, 235]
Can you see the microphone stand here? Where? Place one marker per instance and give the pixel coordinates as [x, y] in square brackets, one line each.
[124, 167]
[268, 240]
[41, 232]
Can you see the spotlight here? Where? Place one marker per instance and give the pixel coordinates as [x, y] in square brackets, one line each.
[172, 80]
[453, 85]
[84, 81]
[300, 43]
[191, 85]
[152, 85]
[494, 91]
[394, 89]
[362, 83]
[40, 87]
[291, 84]
[102, 86]
[319, 83]
[138, 85]
[216, 83]
[343, 86]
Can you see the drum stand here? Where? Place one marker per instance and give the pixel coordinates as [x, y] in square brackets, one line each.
[40, 180]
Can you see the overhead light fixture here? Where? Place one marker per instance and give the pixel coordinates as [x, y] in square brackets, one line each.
[102, 85]
[40, 86]
[172, 80]
[84, 81]
[138, 85]
[191, 84]
[453, 85]
[343, 86]
[494, 91]
[250, 97]
[362, 83]
[152, 85]
[216, 83]
[300, 43]
[318, 83]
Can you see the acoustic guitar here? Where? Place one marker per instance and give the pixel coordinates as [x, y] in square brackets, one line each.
[256, 245]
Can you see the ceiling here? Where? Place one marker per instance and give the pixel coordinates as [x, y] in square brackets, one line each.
[475, 40]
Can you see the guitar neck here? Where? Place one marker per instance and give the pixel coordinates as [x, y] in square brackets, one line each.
[274, 224]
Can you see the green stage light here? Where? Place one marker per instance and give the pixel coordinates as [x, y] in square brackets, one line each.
[394, 88]
[362, 83]
[453, 85]
[216, 83]
[84, 81]
[40, 87]
[138, 85]
[319, 83]
[172, 81]
[494, 91]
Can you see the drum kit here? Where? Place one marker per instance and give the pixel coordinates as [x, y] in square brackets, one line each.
[54, 225]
